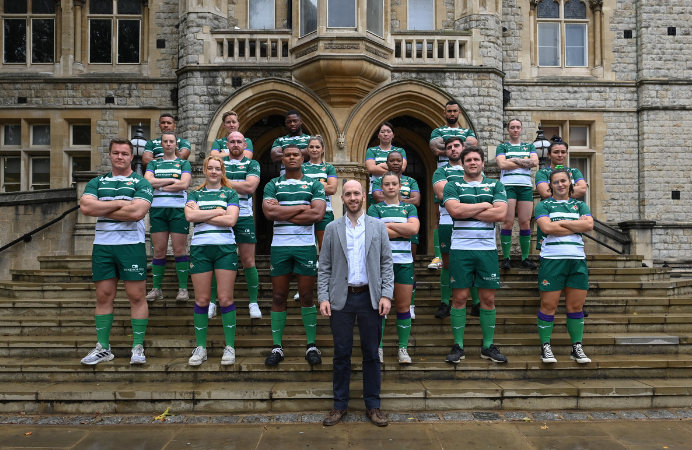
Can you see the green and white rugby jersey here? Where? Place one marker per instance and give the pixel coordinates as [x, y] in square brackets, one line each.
[293, 192]
[108, 188]
[519, 176]
[562, 247]
[301, 141]
[543, 175]
[207, 199]
[447, 173]
[401, 247]
[175, 169]
[320, 172]
[408, 186]
[445, 133]
[473, 234]
[154, 146]
[238, 170]
[220, 145]
[380, 156]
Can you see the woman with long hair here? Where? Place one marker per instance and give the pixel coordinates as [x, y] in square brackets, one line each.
[325, 173]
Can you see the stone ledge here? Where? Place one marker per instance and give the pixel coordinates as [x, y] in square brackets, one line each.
[36, 197]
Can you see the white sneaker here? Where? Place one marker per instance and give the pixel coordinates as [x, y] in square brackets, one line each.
[212, 310]
[138, 355]
[380, 353]
[154, 294]
[182, 296]
[228, 356]
[97, 355]
[255, 312]
[297, 296]
[413, 311]
[435, 264]
[199, 355]
[403, 356]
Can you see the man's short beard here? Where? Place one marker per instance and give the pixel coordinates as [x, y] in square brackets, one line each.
[452, 121]
[455, 160]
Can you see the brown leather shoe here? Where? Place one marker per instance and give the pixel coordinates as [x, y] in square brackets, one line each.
[376, 416]
[333, 417]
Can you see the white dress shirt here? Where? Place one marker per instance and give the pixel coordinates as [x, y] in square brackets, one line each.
[355, 247]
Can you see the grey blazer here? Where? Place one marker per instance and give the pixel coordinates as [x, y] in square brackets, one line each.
[332, 274]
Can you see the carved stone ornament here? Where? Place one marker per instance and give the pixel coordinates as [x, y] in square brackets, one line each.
[341, 141]
[79, 3]
[596, 5]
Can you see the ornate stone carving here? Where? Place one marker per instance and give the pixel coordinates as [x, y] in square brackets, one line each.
[341, 141]
[375, 52]
[596, 5]
[342, 46]
[307, 51]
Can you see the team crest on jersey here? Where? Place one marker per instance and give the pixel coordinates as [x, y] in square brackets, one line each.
[486, 189]
[545, 283]
[175, 175]
[304, 186]
[451, 280]
[129, 183]
[575, 207]
[222, 195]
[192, 266]
[177, 165]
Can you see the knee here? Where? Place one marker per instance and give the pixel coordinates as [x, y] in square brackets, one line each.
[225, 301]
[202, 302]
[306, 301]
[525, 224]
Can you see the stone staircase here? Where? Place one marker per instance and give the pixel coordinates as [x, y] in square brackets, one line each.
[638, 336]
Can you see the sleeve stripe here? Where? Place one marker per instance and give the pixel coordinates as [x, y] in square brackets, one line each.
[332, 176]
[184, 171]
[540, 182]
[542, 215]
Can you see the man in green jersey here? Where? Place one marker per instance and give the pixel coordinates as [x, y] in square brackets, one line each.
[438, 138]
[295, 203]
[230, 125]
[475, 203]
[170, 176]
[295, 137]
[120, 200]
[153, 148]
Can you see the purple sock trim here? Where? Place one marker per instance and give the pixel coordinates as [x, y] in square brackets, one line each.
[403, 316]
[525, 232]
[576, 315]
[227, 309]
[201, 309]
[414, 285]
[159, 262]
[545, 317]
[504, 232]
[182, 258]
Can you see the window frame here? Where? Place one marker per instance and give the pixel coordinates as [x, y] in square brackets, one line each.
[408, 17]
[300, 18]
[70, 138]
[562, 45]
[31, 135]
[588, 136]
[383, 19]
[2, 136]
[3, 156]
[273, 21]
[28, 18]
[71, 154]
[355, 17]
[114, 19]
[31, 171]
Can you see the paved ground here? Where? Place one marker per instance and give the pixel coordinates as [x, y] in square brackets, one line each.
[471, 430]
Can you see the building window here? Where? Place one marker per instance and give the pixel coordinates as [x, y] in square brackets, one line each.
[28, 31]
[40, 173]
[80, 135]
[341, 13]
[11, 173]
[40, 135]
[421, 14]
[308, 17]
[375, 17]
[562, 33]
[578, 136]
[262, 14]
[582, 163]
[115, 21]
[79, 162]
[11, 135]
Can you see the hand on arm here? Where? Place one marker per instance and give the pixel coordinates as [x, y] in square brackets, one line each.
[313, 214]
[276, 154]
[157, 183]
[552, 228]
[249, 186]
[460, 210]
[183, 153]
[439, 189]
[274, 211]
[229, 219]
[495, 214]
[330, 185]
[414, 200]
[437, 147]
[375, 169]
[584, 224]
[507, 164]
[133, 212]
[405, 230]
[146, 158]
[91, 206]
[179, 185]
[579, 189]
[221, 153]
[194, 214]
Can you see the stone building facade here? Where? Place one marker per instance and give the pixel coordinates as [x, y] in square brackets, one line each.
[613, 77]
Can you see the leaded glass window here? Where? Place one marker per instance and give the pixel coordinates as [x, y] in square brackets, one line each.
[548, 9]
[575, 9]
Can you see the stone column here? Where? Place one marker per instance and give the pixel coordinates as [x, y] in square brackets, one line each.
[78, 4]
[532, 31]
[641, 235]
[346, 172]
[145, 31]
[83, 233]
[597, 8]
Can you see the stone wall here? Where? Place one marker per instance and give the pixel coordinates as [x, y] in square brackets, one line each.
[620, 171]
[672, 243]
[661, 55]
[23, 212]
[511, 39]
[624, 62]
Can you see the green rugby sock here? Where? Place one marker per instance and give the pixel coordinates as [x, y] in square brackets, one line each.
[487, 320]
[252, 280]
[228, 319]
[310, 322]
[278, 321]
[403, 329]
[525, 244]
[213, 290]
[575, 328]
[181, 268]
[201, 322]
[445, 289]
[139, 330]
[545, 330]
[458, 320]
[382, 335]
[104, 322]
[436, 242]
[474, 296]
[157, 272]
[506, 243]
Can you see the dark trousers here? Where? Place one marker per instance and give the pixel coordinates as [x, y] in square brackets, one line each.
[370, 328]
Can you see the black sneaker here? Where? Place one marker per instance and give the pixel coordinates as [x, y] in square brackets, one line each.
[312, 355]
[442, 311]
[456, 355]
[275, 357]
[578, 354]
[476, 310]
[493, 353]
[547, 354]
[505, 265]
[528, 264]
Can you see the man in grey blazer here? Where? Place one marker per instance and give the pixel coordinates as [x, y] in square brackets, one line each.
[355, 279]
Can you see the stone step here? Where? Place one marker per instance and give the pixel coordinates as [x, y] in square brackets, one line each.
[70, 325]
[422, 275]
[313, 395]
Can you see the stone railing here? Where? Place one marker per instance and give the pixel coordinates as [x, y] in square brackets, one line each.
[269, 46]
[431, 48]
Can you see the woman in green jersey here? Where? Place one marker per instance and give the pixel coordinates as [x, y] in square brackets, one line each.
[230, 124]
[214, 208]
[376, 157]
[401, 220]
[563, 263]
[318, 170]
